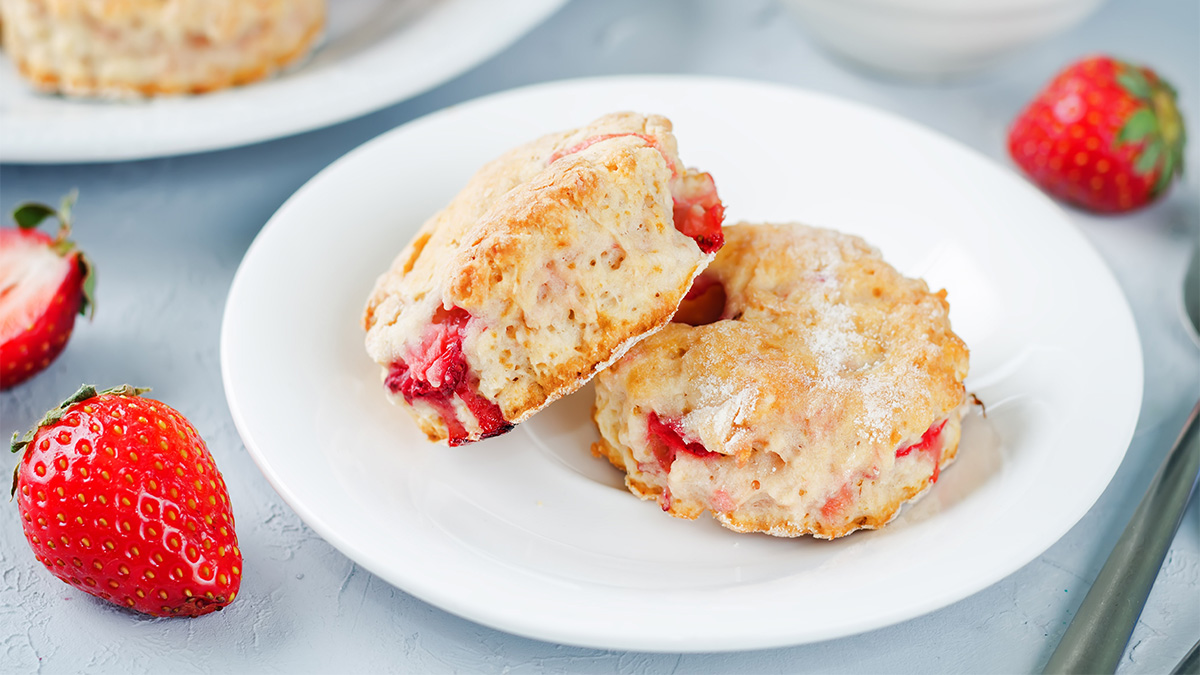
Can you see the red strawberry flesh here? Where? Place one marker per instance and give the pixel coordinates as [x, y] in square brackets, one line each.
[437, 373]
[838, 501]
[699, 211]
[30, 275]
[40, 294]
[666, 440]
[930, 442]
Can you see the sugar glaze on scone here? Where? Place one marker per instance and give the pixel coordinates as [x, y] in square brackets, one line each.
[817, 390]
[132, 48]
[550, 263]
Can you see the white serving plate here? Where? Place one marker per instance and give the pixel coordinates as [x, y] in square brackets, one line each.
[375, 53]
[530, 534]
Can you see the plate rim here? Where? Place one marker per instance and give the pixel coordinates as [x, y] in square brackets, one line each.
[417, 82]
[504, 622]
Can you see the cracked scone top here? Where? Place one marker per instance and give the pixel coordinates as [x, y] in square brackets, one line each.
[551, 262]
[129, 48]
[806, 387]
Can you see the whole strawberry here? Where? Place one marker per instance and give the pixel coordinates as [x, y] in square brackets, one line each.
[45, 282]
[1104, 135]
[120, 498]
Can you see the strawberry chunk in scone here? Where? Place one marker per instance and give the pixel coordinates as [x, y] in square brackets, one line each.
[553, 261]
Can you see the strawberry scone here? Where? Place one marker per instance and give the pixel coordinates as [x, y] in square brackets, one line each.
[133, 48]
[552, 261]
[806, 387]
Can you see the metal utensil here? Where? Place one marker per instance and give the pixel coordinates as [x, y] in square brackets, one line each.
[1191, 294]
[1096, 638]
[1190, 665]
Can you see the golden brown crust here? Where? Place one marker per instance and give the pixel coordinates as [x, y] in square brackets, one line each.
[123, 48]
[825, 361]
[562, 265]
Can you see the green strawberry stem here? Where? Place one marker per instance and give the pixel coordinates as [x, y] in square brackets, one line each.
[1174, 137]
[31, 214]
[1158, 126]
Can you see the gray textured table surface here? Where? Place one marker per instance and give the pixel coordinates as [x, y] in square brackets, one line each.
[168, 235]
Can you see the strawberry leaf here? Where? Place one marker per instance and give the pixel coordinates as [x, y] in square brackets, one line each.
[1168, 172]
[1149, 157]
[31, 214]
[1139, 125]
[1133, 81]
[88, 306]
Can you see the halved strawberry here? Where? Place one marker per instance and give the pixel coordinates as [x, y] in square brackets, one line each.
[44, 283]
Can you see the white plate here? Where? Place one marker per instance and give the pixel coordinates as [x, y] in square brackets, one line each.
[376, 52]
[530, 534]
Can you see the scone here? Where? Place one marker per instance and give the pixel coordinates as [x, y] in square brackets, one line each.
[815, 391]
[126, 48]
[549, 264]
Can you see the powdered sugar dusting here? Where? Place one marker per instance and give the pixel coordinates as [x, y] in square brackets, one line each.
[883, 391]
[834, 342]
[832, 339]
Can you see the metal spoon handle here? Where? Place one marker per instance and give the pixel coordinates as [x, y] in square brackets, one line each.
[1190, 665]
[1096, 638]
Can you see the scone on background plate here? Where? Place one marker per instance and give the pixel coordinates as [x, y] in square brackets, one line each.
[129, 48]
[549, 264]
[815, 391]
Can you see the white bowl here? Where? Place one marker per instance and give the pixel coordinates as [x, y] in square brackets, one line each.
[935, 39]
